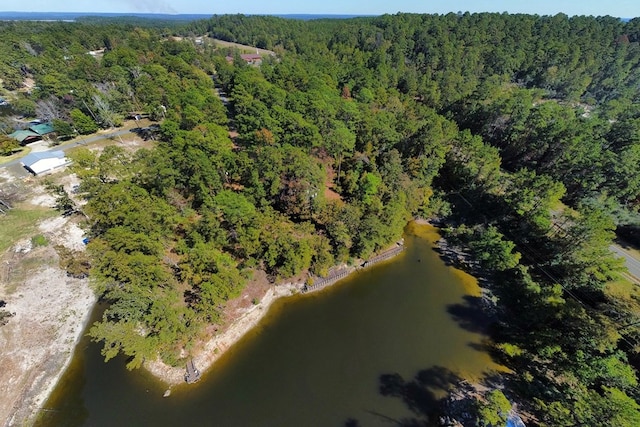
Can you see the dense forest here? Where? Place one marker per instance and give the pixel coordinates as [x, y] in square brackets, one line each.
[520, 134]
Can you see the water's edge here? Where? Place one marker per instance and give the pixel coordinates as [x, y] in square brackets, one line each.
[216, 347]
[413, 314]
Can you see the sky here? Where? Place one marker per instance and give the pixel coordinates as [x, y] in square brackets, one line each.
[618, 8]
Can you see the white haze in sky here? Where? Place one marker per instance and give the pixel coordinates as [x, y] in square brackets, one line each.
[619, 8]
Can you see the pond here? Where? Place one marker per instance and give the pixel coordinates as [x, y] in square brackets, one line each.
[350, 355]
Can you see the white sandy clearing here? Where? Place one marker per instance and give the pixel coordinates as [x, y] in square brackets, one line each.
[217, 346]
[39, 196]
[51, 310]
[45, 200]
[64, 232]
[6, 176]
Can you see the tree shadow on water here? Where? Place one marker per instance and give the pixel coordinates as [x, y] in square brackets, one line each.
[425, 395]
[471, 315]
[435, 397]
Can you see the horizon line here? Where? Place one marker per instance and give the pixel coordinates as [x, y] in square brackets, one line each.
[293, 13]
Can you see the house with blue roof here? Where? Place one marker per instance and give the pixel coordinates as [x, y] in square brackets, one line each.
[44, 161]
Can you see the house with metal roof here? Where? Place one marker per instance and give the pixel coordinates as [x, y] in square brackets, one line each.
[25, 136]
[42, 128]
[44, 161]
[249, 58]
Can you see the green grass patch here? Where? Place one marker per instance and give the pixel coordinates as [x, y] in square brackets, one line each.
[39, 240]
[20, 153]
[21, 222]
[626, 294]
[559, 208]
[621, 289]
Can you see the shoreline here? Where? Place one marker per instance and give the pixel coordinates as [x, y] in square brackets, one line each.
[37, 383]
[43, 367]
[221, 342]
[49, 312]
[38, 386]
[218, 345]
[49, 382]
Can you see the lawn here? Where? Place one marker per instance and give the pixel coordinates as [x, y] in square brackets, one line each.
[621, 288]
[20, 153]
[21, 222]
[626, 295]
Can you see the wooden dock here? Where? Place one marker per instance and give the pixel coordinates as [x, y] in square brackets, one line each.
[192, 375]
[383, 256]
[332, 278]
[326, 281]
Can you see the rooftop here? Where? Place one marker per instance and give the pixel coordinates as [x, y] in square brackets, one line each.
[42, 128]
[31, 158]
[21, 135]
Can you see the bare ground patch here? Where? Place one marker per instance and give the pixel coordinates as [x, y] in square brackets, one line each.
[49, 310]
[243, 47]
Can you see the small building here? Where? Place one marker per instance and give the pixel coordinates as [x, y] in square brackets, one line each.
[25, 136]
[249, 58]
[42, 128]
[45, 161]
[252, 58]
[97, 53]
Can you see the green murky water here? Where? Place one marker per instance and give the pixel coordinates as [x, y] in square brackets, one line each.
[324, 359]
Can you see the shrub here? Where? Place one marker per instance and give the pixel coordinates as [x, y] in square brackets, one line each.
[39, 240]
[75, 263]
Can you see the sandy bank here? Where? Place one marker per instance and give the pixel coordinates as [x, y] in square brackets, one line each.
[51, 311]
[422, 221]
[216, 347]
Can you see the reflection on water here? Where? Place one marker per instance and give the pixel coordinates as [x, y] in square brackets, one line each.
[380, 345]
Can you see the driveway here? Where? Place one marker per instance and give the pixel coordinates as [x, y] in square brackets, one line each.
[41, 146]
[632, 263]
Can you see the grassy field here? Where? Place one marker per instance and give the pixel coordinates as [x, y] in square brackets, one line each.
[626, 295]
[23, 152]
[242, 47]
[623, 289]
[21, 222]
